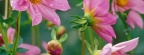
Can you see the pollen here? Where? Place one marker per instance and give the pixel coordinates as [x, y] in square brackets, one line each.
[122, 2]
[35, 1]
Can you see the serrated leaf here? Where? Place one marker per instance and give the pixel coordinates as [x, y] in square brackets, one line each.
[21, 50]
[53, 34]
[84, 26]
[88, 46]
[63, 37]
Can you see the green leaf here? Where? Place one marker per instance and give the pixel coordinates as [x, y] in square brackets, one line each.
[53, 34]
[22, 50]
[84, 26]
[63, 37]
[88, 46]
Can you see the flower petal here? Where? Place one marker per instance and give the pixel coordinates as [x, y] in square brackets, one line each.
[107, 29]
[44, 45]
[129, 45]
[34, 50]
[106, 37]
[134, 18]
[108, 19]
[101, 7]
[139, 6]
[20, 5]
[10, 33]
[49, 14]
[57, 4]
[106, 49]
[36, 15]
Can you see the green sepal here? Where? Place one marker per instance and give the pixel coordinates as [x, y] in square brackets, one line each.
[75, 16]
[53, 34]
[77, 26]
[84, 26]
[63, 37]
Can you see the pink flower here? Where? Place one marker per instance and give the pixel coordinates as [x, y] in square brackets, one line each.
[120, 48]
[100, 19]
[39, 8]
[135, 7]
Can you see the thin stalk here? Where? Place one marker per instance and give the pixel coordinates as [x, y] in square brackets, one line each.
[33, 35]
[17, 34]
[100, 43]
[6, 9]
[83, 50]
[91, 38]
[38, 36]
[4, 38]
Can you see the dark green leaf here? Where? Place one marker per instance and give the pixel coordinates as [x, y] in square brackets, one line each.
[22, 50]
[63, 37]
[1, 19]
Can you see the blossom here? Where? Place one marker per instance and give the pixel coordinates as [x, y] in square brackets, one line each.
[32, 50]
[135, 7]
[41, 8]
[99, 18]
[120, 48]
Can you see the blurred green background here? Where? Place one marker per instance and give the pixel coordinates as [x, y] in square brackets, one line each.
[72, 46]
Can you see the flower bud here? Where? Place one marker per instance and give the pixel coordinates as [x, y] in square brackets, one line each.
[54, 47]
[60, 31]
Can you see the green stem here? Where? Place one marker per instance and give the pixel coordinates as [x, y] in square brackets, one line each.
[91, 38]
[38, 36]
[17, 34]
[100, 43]
[4, 38]
[83, 50]
[6, 9]
[33, 35]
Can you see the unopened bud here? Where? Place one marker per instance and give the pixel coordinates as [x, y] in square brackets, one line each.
[54, 47]
[60, 31]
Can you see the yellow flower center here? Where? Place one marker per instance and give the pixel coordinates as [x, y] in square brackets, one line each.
[35, 1]
[122, 2]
